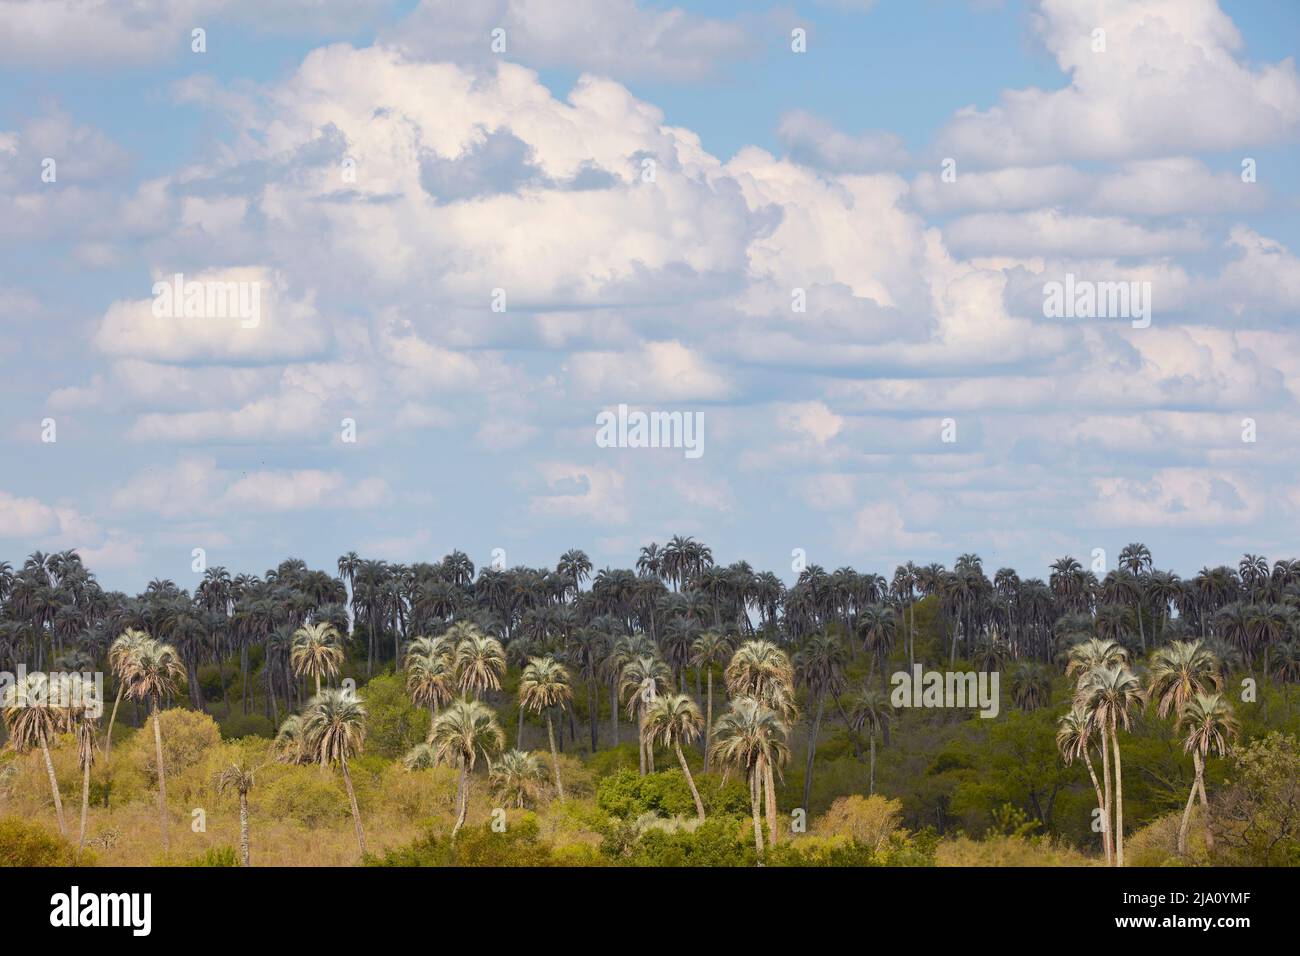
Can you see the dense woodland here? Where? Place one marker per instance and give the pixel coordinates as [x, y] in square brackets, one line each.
[680, 712]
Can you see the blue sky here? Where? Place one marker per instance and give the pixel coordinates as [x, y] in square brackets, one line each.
[775, 171]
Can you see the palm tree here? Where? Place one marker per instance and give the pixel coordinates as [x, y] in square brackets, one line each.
[870, 711]
[1074, 739]
[517, 779]
[238, 776]
[1031, 685]
[1087, 656]
[317, 650]
[819, 666]
[479, 662]
[1109, 696]
[153, 673]
[32, 723]
[430, 673]
[709, 649]
[670, 720]
[641, 680]
[334, 729]
[762, 670]
[1179, 671]
[289, 745]
[120, 653]
[85, 718]
[544, 686]
[463, 732]
[751, 737]
[1209, 725]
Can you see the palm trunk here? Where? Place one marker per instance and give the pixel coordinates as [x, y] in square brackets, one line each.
[85, 802]
[462, 798]
[708, 721]
[813, 733]
[1119, 800]
[54, 787]
[1101, 805]
[352, 801]
[162, 779]
[592, 707]
[555, 757]
[613, 713]
[1187, 810]
[243, 827]
[690, 781]
[318, 683]
[108, 737]
[1205, 803]
[1106, 780]
[769, 792]
[753, 801]
[872, 786]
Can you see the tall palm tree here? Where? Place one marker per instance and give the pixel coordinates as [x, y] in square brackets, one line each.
[762, 670]
[870, 711]
[84, 712]
[517, 779]
[641, 680]
[1109, 696]
[751, 738]
[334, 729]
[1074, 739]
[819, 666]
[32, 723]
[154, 672]
[710, 649]
[317, 650]
[479, 661]
[463, 732]
[120, 653]
[239, 777]
[430, 672]
[543, 687]
[1208, 724]
[670, 720]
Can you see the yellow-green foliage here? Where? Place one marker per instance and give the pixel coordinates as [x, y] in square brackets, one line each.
[870, 821]
[997, 850]
[1157, 843]
[187, 736]
[310, 795]
[23, 843]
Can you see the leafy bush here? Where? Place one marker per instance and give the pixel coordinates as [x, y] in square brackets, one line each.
[480, 845]
[216, 856]
[394, 725]
[628, 795]
[304, 794]
[28, 844]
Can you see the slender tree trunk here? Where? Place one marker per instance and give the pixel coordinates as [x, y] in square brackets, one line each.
[108, 737]
[1101, 805]
[318, 683]
[1187, 810]
[85, 802]
[690, 781]
[592, 707]
[1205, 803]
[162, 779]
[872, 786]
[1106, 779]
[54, 787]
[462, 795]
[352, 801]
[243, 827]
[769, 791]
[1119, 799]
[613, 713]
[753, 801]
[519, 735]
[555, 757]
[813, 733]
[708, 721]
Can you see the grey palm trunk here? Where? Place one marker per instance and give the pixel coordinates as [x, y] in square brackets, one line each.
[108, 738]
[352, 801]
[162, 779]
[695, 793]
[555, 757]
[243, 827]
[54, 786]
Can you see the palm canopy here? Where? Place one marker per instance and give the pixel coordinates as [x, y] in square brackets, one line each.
[751, 734]
[317, 650]
[518, 779]
[544, 684]
[154, 671]
[1110, 695]
[1208, 723]
[673, 720]
[334, 726]
[430, 671]
[479, 661]
[465, 731]
[1179, 672]
[761, 670]
[28, 716]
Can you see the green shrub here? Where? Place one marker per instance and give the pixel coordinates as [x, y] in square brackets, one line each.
[216, 856]
[304, 794]
[394, 724]
[239, 725]
[29, 844]
[480, 845]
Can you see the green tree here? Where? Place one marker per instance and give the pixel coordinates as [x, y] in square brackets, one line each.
[671, 720]
[334, 729]
[463, 732]
[543, 687]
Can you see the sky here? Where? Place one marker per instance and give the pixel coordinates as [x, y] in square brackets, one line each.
[827, 229]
